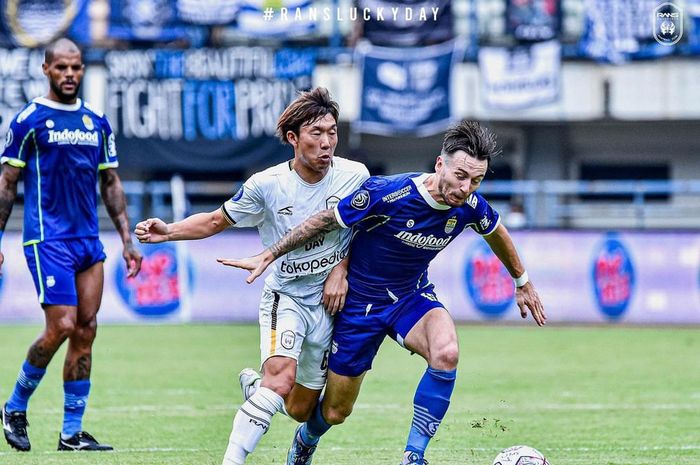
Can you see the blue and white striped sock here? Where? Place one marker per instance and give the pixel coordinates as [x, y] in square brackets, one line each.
[429, 407]
[75, 396]
[27, 381]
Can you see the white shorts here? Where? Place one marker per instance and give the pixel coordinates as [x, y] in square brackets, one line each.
[301, 332]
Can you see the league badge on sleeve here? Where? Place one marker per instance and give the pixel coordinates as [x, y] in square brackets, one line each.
[360, 200]
[237, 196]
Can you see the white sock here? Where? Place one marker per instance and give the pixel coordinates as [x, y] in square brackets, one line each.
[250, 423]
[254, 388]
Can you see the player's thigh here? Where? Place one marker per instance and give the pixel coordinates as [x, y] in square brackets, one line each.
[89, 284]
[89, 279]
[432, 335]
[282, 328]
[313, 359]
[301, 402]
[53, 268]
[340, 395]
[357, 335]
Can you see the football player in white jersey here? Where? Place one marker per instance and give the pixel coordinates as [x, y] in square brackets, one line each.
[304, 283]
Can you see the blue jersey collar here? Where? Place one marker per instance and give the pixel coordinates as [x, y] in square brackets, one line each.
[423, 191]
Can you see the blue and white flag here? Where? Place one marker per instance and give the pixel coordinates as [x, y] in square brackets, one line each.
[406, 90]
[34, 23]
[520, 77]
[619, 30]
[147, 20]
[207, 12]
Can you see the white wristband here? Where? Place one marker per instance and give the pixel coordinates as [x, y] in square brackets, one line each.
[522, 280]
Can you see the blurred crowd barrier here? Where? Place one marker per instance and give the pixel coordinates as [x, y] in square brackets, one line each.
[582, 277]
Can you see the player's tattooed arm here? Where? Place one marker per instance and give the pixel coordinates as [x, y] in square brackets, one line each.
[113, 196]
[8, 192]
[321, 223]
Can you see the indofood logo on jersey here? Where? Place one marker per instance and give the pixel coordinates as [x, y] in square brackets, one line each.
[154, 292]
[490, 286]
[74, 137]
[419, 241]
[613, 277]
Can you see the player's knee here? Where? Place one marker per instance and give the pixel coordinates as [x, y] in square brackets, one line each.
[60, 329]
[87, 331]
[446, 357]
[336, 414]
[299, 412]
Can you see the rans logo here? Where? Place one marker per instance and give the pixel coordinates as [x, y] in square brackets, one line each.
[667, 21]
[74, 137]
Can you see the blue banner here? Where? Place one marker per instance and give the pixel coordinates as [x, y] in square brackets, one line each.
[406, 91]
[36, 23]
[203, 109]
[145, 20]
[533, 20]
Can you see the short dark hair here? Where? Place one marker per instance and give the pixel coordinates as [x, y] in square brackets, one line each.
[50, 49]
[308, 107]
[472, 138]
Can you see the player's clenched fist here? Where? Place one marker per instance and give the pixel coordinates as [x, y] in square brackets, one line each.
[152, 230]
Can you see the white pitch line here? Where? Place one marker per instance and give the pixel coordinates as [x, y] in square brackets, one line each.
[157, 450]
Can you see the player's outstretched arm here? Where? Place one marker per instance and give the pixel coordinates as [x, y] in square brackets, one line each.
[8, 193]
[526, 296]
[197, 226]
[115, 201]
[321, 223]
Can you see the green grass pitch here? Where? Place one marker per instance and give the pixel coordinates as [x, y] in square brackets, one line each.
[167, 395]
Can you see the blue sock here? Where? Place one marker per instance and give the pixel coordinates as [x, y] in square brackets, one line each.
[27, 381]
[429, 407]
[75, 399]
[315, 427]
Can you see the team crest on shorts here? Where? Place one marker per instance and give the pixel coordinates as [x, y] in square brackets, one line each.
[450, 226]
[287, 339]
[87, 121]
[360, 200]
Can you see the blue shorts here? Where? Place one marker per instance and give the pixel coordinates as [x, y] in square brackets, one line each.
[359, 330]
[54, 264]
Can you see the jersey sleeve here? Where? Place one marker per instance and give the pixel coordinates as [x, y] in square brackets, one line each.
[19, 140]
[108, 147]
[486, 219]
[364, 202]
[247, 207]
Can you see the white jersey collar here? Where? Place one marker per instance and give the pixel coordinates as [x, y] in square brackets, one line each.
[423, 191]
[319, 183]
[58, 105]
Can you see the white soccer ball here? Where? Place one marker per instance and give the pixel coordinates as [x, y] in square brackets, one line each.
[520, 455]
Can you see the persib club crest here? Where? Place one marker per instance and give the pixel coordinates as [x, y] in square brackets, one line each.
[450, 226]
[668, 24]
[87, 121]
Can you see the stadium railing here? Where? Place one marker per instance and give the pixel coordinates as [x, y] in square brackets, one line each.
[545, 204]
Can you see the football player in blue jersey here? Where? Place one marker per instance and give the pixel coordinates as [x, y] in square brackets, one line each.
[400, 224]
[62, 146]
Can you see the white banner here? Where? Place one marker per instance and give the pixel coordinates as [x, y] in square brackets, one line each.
[520, 77]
